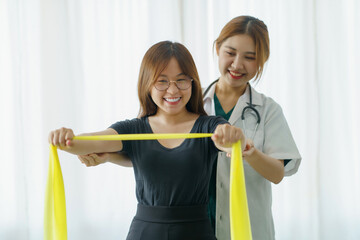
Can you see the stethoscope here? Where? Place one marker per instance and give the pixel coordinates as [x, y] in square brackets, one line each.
[250, 107]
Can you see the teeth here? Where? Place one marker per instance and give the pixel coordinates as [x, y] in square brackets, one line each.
[236, 74]
[172, 99]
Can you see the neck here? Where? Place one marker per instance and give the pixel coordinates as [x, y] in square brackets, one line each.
[173, 119]
[223, 88]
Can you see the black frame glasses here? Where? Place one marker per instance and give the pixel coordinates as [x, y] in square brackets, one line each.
[181, 84]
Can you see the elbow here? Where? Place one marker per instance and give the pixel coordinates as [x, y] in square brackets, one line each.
[279, 177]
[278, 180]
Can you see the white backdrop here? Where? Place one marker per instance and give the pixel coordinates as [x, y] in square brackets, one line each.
[75, 64]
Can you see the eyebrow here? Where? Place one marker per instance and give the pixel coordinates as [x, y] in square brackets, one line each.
[234, 49]
[180, 74]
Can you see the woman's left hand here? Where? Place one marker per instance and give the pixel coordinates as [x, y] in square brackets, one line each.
[93, 159]
[225, 135]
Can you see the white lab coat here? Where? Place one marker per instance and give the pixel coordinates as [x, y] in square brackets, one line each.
[273, 137]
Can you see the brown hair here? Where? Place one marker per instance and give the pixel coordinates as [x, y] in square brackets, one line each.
[154, 62]
[254, 28]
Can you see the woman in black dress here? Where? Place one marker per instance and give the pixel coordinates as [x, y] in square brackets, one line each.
[172, 175]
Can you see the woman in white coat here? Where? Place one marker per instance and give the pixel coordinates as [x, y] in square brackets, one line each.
[243, 49]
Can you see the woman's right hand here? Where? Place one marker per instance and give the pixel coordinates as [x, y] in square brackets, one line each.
[61, 137]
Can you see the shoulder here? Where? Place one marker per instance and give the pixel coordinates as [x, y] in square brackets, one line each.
[129, 125]
[268, 105]
[263, 100]
[209, 119]
[209, 123]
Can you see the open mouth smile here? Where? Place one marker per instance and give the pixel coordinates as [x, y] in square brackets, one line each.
[236, 75]
[172, 100]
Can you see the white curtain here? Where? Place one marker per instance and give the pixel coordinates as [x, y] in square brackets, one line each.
[76, 63]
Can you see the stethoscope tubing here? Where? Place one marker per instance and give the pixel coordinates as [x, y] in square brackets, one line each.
[252, 108]
[249, 107]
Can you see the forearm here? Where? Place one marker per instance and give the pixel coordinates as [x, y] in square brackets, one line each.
[84, 147]
[120, 159]
[270, 168]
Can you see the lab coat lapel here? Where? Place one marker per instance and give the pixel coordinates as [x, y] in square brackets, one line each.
[242, 102]
[236, 114]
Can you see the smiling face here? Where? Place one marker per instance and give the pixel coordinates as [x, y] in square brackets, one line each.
[172, 100]
[237, 60]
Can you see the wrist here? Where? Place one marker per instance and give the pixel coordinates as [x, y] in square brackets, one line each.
[250, 154]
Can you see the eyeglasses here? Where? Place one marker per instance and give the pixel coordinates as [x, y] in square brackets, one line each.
[181, 84]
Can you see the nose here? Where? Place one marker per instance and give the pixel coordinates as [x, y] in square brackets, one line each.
[237, 63]
[172, 87]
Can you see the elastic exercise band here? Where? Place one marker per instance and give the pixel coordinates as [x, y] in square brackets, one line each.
[55, 209]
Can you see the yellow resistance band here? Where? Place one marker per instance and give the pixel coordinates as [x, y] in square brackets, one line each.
[55, 208]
